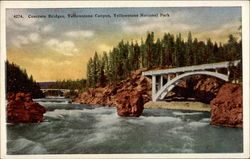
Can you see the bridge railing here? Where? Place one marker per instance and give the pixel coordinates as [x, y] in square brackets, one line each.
[192, 68]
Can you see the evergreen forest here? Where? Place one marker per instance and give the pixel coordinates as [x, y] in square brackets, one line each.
[170, 51]
[69, 84]
[18, 81]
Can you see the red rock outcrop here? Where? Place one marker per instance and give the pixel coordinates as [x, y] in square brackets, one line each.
[226, 108]
[206, 88]
[22, 109]
[136, 89]
[98, 96]
[130, 103]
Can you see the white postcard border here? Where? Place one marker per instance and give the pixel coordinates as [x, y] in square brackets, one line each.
[103, 4]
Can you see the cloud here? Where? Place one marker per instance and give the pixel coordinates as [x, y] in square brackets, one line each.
[80, 34]
[220, 33]
[48, 61]
[64, 47]
[160, 26]
[47, 28]
[20, 40]
[181, 22]
[103, 47]
[180, 16]
[176, 22]
[34, 37]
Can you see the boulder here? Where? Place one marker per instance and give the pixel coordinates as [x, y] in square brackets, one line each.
[129, 103]
[22, 109]
[226, 108]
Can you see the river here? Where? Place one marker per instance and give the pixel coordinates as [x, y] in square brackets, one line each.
[85, 129]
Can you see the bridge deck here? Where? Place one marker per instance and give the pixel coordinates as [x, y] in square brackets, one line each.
[191, 68]
[55, 89]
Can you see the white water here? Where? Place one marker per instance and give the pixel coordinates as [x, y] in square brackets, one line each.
[84, 129]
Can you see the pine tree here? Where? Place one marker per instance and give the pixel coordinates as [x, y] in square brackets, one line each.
[105, 60]
[143, 57]
[90, 73]
[195, 52]
[215, 53]
[149, 49]
[102, 78]
[157, 52]
[209, 52]
[188, 52]
[179, 59]
[96, 69]
[231, 48]
[136, 57]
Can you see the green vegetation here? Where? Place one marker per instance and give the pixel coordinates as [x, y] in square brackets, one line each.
[71, 94]
[18, 81]
[170, 51]
[69, 84]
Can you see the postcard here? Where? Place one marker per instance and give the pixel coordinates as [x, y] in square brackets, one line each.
[123, 79]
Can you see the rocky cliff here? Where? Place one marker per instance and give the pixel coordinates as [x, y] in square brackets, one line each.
[22, 109]
[128, 96]
[226, 108]
[138, 88]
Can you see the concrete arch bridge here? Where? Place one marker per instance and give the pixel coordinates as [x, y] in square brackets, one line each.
[161, 86]
[63, 91]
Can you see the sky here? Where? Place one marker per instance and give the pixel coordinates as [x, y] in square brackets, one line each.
[53, 49]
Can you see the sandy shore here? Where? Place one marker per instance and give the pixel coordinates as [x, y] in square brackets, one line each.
[198, 106]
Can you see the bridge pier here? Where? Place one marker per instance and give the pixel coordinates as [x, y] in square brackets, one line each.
[169, 77]
[157, 84]
[153, 87]
[161, 81]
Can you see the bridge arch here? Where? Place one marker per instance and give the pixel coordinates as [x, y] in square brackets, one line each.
[173, 82]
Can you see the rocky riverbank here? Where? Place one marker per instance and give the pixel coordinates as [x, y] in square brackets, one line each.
[198, 88]
[227, 107]
[110, 94]
[22, 109]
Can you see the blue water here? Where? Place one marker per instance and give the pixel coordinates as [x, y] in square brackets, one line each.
[85, 129]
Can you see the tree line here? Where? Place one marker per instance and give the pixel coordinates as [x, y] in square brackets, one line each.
[19, 81]
[69, 84]
[170, 51]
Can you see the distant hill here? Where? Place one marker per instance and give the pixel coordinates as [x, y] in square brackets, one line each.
[45, 85]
